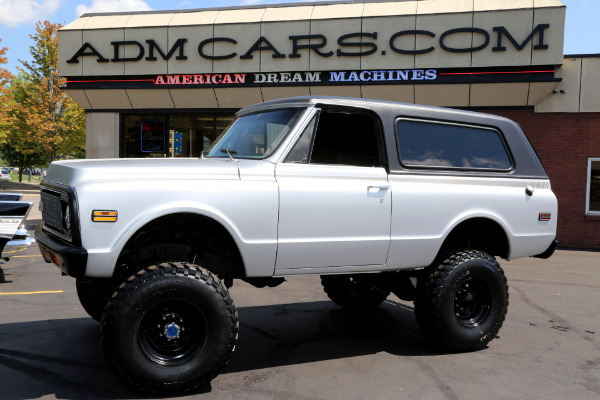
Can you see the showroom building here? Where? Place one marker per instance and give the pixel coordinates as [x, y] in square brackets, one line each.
[164, 84]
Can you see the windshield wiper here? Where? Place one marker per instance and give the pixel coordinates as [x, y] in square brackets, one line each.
[229, 153]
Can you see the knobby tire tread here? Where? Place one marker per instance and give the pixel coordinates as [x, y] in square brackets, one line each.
[147, 274]
[428, 299]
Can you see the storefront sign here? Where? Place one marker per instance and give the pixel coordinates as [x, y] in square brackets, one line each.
[320, 78]
[282, 78]
[358, 44]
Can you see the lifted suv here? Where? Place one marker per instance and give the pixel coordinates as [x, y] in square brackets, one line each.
[376, 197]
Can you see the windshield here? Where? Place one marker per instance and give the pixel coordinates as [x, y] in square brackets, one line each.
[255, 135]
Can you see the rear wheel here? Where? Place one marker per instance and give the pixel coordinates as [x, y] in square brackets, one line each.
[355, 291]
[462, 303]
[170, 328]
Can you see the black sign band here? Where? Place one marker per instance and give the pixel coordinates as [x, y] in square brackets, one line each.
[414, 76]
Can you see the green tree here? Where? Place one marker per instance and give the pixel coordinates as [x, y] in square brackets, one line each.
[5, 102]
[45, 119]
[20, 148]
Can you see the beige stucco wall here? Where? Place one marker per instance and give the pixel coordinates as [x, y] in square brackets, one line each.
[579, 90]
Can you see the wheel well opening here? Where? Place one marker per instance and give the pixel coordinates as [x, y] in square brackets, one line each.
[477, 234]
[184, 237]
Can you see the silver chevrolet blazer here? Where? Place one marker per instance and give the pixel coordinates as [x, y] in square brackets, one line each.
[375, 197]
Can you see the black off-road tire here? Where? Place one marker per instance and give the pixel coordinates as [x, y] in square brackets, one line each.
[93, 295]
[362, 291]
[169, 329]
[461, 304]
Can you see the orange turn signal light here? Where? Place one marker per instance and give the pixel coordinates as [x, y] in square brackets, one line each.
[104, 216]
[54, 258]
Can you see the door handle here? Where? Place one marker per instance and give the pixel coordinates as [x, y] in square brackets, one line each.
[379, 187]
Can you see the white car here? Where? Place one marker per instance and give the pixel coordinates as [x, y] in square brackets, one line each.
[5, 174]
[374, 196]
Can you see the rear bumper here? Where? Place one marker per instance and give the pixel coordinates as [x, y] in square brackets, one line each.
[19, 245]
[549, 251]
[69, 259]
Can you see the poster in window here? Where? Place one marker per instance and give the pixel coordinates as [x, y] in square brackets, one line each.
[153, 136]
[177, 142]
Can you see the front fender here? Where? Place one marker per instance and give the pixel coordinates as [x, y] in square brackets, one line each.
[247, 210]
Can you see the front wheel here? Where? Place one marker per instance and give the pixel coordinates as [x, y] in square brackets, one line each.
[93, 295]
[170, 328]
[462, 303]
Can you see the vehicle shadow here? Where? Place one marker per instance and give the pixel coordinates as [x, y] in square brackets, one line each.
[63, 357]
[55, 357]
[285, 334]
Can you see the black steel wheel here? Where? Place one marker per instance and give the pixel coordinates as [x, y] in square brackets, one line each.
[360, 291]
[171, 333]
[462, 303]
[169, 329]
[473, 302]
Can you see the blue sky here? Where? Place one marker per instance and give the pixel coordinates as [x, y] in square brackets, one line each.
[18, 18]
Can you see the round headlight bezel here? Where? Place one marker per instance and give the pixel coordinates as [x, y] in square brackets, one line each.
[67, 219]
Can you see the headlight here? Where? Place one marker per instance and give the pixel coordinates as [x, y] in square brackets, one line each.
[67, 219]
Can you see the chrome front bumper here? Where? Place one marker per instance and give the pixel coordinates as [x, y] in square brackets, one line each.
[19, 245]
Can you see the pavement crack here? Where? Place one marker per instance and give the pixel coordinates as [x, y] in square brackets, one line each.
[559, 327]
[557, 321]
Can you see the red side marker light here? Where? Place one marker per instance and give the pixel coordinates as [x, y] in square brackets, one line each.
[545, 217]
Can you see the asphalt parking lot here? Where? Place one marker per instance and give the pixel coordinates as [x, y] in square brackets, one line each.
[295, 344]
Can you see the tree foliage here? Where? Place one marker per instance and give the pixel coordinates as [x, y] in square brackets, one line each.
[5, 103]
[20, 148]
[44, 123]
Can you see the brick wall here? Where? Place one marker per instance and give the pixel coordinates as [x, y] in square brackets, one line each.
[564, 142]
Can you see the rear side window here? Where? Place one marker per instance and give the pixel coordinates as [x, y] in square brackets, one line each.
[439, 145]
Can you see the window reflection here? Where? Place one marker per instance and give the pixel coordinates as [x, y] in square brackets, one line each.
[171, 135]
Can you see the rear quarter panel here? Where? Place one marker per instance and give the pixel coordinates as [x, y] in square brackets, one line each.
[427, 208]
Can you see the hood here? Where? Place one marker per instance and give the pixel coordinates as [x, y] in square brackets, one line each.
[72, 172]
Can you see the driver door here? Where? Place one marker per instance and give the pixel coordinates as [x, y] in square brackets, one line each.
[335, 199]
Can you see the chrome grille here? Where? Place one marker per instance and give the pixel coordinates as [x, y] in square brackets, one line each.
[54, 204]
[52, 212]
[55, 201]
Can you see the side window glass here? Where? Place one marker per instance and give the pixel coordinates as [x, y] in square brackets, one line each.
[438, 145]
[346, 138]
[593, 186]
[301, 150]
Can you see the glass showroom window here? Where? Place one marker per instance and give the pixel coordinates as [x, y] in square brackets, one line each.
[171, 135]
[593, 187]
